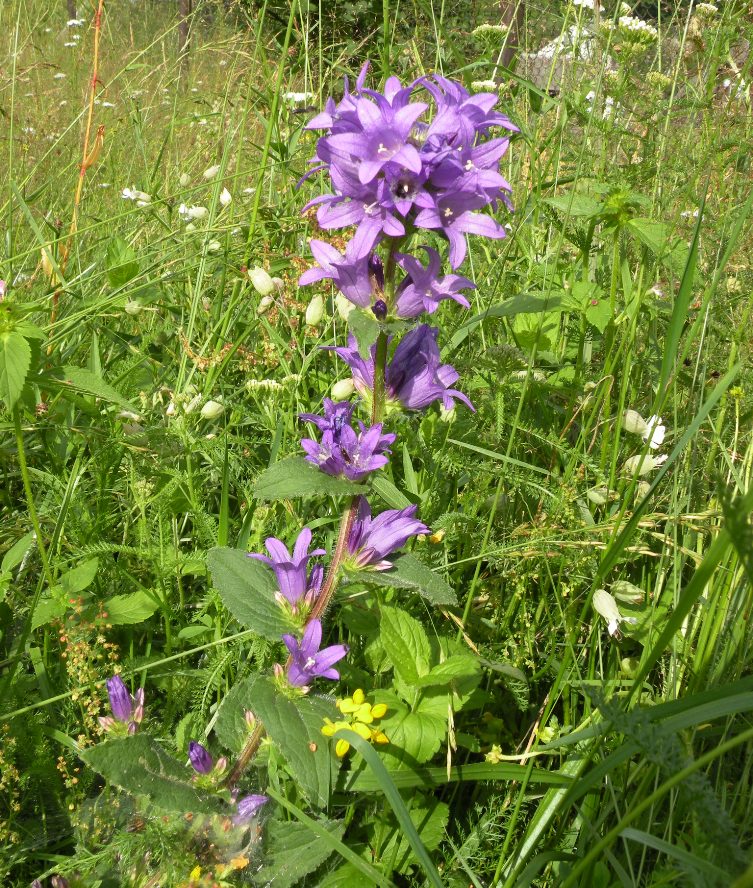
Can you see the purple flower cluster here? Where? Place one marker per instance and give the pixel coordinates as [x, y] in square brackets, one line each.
[397, 164]
[290, 570]
[414, 378]
[343, 451]
[371, 540]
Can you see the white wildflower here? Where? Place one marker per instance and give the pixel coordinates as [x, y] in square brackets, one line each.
[193, 403]
[625, 591]
[342, 389]
[606, 607]
[279, 284]
[211, 172]
[634, 423]
[170, 411]
[261, 280]
[212, 409]
[297, 98]
[192, 214]
[70, 44]
[643, 464]
[58, 76]
[484, 86]
[133, 308]
[226, 198]
[75, 23]
[655, 432]
[315, 310]
[214, 246]
[184, 180]
[586, 4]
[141, 197]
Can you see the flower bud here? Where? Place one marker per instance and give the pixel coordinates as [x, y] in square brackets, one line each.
[261, 281]
[184, 180]
[133, 308]
[625, 591]
[211, 171]
[264, 305]
[344, 306]
[642, 465]
[342, 390]
[606, 607]
[193, 403]
[212, 409]
[226, 198]
[214, 246]
[279, 283]
[201, 760]
[380, 309]
[633, 422]
[315, 311]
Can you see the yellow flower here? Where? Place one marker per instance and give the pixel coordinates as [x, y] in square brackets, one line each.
[361, 713]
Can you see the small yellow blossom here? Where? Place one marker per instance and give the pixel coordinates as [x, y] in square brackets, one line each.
[361, 714]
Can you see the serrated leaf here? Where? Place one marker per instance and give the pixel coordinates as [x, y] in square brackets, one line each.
[230, 726]
[295, 728]
[574, 204]
[247, 589]
[414, 736]
[657, 237]
[89, 383]
[139, 766]
[15, 360]
[409, 572]
[47, 609]
[406, 643]
[294, 477]
[122, 262]
[127, 610]
[293, 851]
[80, 577]
[365, 327]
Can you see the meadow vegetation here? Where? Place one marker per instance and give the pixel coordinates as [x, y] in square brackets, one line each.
[552, 684]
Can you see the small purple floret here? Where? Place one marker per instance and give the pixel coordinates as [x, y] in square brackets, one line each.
[290, 570]
[125, 709]
[371, 540]
[343, 452]
[307, 661]
[423, 289]
[247, 808]
[201, 760]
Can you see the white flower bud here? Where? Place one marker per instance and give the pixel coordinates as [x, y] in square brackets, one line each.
[261, 281]
[628, 592]
[642, 465]
[315, 311]
[264, 305]
[184, 180]
[214, 247]
[279, 283]
[634, 423]
[344, 306]
[606, 607]
[193, 403]
[197, 213]
[598, 495]
[133, 308]
[655, 432]
[211, 171]
[226, 198]
[170, 409]
[212, 409]
[342, 390]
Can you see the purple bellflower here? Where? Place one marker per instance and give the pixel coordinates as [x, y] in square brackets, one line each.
[415, 376]
[371, 540]
[344, 452]
[127, 711]
[307, 661]
[352, 277]
[247, 808]
[423, 289]
[290, 570]
[201, 760]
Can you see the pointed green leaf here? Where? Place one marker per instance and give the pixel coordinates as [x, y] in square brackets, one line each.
[365, 327]
[409, 572]
[406, 643]
[294, 477]
[127, 610]
[247, 589]
[293, 851]
[82, 380]
[15, 360]
[230, 726]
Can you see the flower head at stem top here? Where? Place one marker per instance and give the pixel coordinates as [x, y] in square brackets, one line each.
[343, 451]
[371, 540]
[290, 570]
[308, 661]
[247, 808]
[127, 711]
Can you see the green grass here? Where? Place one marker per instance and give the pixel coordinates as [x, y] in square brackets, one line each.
[608, 295]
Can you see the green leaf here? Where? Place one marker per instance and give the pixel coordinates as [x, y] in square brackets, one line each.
[247, 589]
[406, 643]
[575, 204]
[656, 236]
[295, 728]
[80, 577]
[15, 360]
[82, 380]
[230, 726]
[294, 477]
[47, 609]
[122, 262]
[393, 497]
[293, 851]
[365, 327]
[139, 766]
[17, 552]
[127, 610]
[346, 876]
[454, 667]
[408, 572]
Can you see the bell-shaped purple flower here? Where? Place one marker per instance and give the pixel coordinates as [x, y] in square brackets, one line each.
[290, 570]
[247, 808]
[415, 376]
[423, 288]
[343, 452]
[126, 710]
[307, 661]
[352, 277]
[371, 540]
[201, 760]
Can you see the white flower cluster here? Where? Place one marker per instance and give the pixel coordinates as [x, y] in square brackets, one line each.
[484, 86]
[636, 29]
[606, 607]
[141, 197]
[488, 30]
[297, 98]
[707, 10]
[586, 4]
[652, 431]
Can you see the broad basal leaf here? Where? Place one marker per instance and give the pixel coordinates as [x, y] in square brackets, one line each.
[247, 589]
[138, 765]
[294, 477]
[295, 727]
